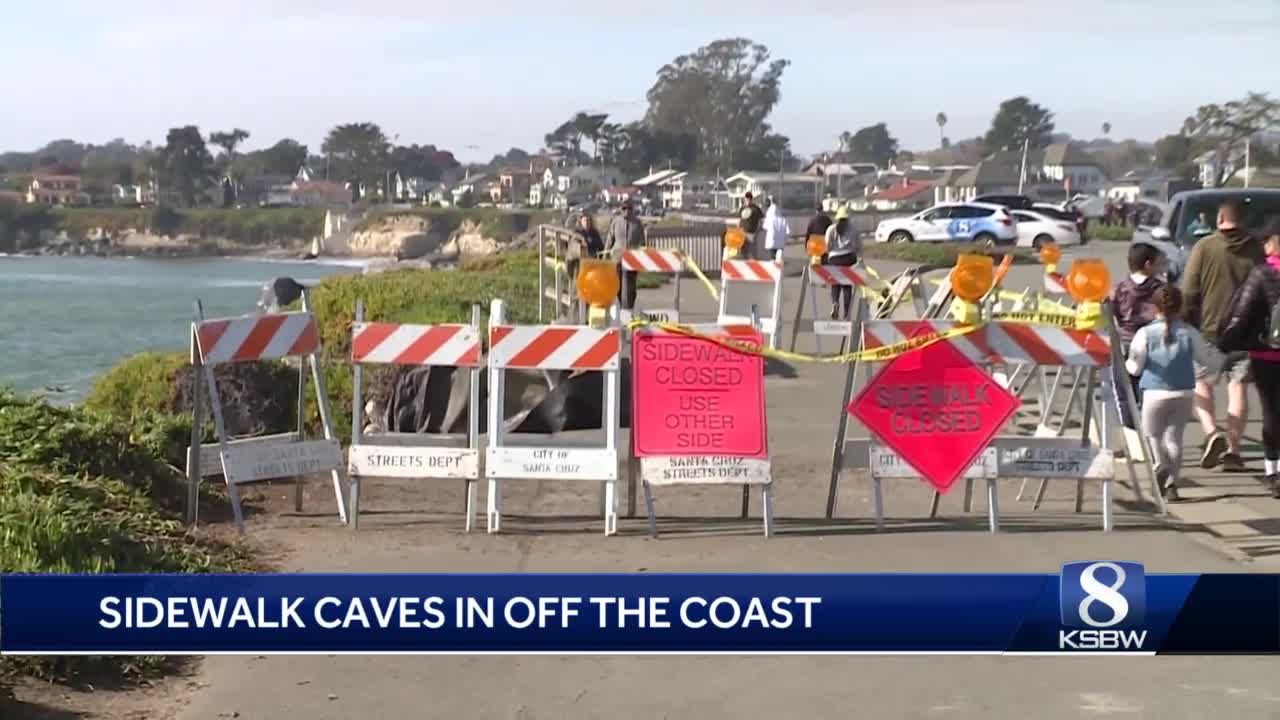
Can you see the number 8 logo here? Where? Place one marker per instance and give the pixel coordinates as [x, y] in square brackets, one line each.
[1108, 595]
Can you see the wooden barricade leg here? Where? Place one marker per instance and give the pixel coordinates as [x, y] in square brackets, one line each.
[842, 421]
[473, 424]
[795, 323]
[197, 426]
[302, 429]
[766, 502]
[650, 509]
[497, 316]
[357, 422]
[326, 420]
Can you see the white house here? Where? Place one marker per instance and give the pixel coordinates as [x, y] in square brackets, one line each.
[683, 191]
[476, 185]
[792, 189]
[1068, 165]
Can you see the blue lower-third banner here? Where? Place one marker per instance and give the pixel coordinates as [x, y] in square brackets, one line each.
[1096, 606]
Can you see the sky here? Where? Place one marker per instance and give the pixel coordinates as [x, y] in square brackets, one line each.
[478, 78]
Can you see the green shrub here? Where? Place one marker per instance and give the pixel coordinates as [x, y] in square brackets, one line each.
[137, 385]
[942, 254]
[78, 495]
[1110, 233]
[493, 222]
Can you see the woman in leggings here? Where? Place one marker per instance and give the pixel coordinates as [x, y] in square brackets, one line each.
[1248, 326]
[1161, 356]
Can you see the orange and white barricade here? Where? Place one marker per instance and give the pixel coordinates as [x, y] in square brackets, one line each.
[1006, 457]
[413, 456]
[662, 262]
[748, 284]
[247, 339]
[552, 347]
[817, 279]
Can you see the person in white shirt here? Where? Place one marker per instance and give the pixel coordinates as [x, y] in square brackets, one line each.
[843, 248]
[776, 231]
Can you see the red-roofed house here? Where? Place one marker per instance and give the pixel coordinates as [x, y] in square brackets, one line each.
[908, 195]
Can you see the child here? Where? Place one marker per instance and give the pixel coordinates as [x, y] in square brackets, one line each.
[1161, 355]
[1248, 326]
[1134, 308]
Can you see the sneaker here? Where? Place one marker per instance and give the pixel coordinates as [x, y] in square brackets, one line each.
[1171, 494]
[835, 312]
[1214, 447]
[1232, 462]
[1273, 483]
[1162, 479]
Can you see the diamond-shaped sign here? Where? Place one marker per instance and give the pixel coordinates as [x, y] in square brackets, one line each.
[936, 409]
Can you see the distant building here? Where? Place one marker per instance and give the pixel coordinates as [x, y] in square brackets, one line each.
[513, 186]
[1072, 168]
[908, 195]
[62, 190]
[319, 193]
[792, 189]
[990, 176]
[684, 191]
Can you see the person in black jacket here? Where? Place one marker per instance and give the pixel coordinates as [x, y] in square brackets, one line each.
[1247, 327]
[819, 224]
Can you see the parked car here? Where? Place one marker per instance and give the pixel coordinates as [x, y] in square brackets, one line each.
[1016, 202]
[952, 222]
[1038, 227]
[1193, 214]
[1065, 213]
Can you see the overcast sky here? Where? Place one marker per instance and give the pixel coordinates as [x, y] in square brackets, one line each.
[480, 77]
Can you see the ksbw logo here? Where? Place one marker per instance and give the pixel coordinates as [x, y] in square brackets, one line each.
[1105, 605]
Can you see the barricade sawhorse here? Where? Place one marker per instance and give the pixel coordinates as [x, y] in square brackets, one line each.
[905, 284]
[564, 245]
[1005, 457]
[663, 262]
[745, 284]
[246, 339]
[552, 347]
[691, 398]
[412, 456]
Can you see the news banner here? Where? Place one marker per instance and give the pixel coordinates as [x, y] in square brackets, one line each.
[1089, 607]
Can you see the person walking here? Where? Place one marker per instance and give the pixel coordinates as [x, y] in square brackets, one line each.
[750, 219]
[625, 232]
[591, 247]
[1164, 355]
[1218, 265]
[1253, 324]
[818, 224]
[844, 247]
[1135, 306]
[776, 231]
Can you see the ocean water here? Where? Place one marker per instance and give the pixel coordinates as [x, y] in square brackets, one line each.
[64, 321]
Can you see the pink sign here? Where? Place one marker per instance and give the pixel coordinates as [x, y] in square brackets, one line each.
[692, 396]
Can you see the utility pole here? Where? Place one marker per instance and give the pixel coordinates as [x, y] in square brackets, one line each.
[1247, 142]
[1022, 175]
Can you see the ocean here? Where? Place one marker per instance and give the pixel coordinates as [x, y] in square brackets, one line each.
[65, 321]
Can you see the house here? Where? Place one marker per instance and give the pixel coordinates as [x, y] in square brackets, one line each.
[410, 189]
[439, 194]
[513, 186]
[539, 192]
[618, 194]
[590, 177]
[792, 189]
[1155, 185]
[649, 187]
[266, 190]
[56, 190]
[990, 176]
[842, 179]
[540, 164]
[319, 194]
[684, 191]
[1075, 170]
[907, 196]
[474, 185]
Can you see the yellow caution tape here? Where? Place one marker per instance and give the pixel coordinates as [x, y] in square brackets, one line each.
[886, 352]
[1062, 320]
[697, 272]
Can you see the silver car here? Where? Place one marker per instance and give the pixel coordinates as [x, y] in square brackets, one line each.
[1193, 214]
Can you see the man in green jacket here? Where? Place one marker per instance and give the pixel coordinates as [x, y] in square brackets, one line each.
[1218, 265]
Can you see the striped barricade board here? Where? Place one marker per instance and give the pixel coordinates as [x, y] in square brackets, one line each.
[663, 262]
[552, 348]
[414, 456]
[748, 283]
[254, 338]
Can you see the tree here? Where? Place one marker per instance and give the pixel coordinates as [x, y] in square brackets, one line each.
[1173, 152]
[874, 143]
[186, 162]
[361, 149]
[846, 143]
[1223, 129]
[1017, 121]
[612, 139]
[721, 95]
[640, 148]
[424, 161]
[941, 119]
[286, 157]
[513, 157]
[588, 127]
[229, 141]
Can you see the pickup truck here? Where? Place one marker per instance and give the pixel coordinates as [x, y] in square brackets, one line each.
[1193, 214]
